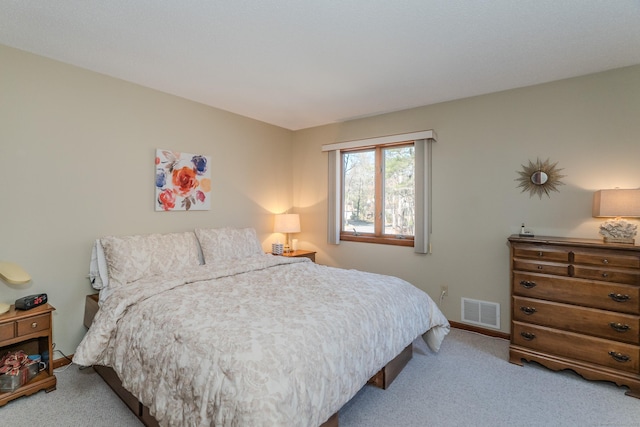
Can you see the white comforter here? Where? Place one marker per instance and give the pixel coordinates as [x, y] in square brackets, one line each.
[265, 341]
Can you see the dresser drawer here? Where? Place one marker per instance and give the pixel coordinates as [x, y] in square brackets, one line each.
[606, 259]
[7, 331]
[590, 321]
[542, 253]
[33, 324]
[606, 296]
[541, 267]
[629, 277]
[612, 354]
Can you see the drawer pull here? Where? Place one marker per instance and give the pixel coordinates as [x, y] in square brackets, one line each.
[540, 267]
[540, 253]
[619, 327]
[530, 310]
[619, 297]
[605, 274]
[527, 335]
[605, 261]
[527, 284]
[34, 325]
[619, 357]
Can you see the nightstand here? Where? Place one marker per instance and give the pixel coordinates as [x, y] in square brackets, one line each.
[29, 331]
[299, 253]
[90, 309]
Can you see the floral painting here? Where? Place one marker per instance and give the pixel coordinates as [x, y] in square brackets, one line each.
[183, 181]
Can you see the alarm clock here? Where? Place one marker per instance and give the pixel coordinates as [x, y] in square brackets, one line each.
[31, 301]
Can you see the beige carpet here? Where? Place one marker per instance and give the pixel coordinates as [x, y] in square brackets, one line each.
[469, 383]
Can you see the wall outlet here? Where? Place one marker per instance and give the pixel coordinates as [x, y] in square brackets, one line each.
[444, 291]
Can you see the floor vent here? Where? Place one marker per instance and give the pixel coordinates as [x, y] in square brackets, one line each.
[481, 313]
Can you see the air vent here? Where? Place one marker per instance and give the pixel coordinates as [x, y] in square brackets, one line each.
[481, 313]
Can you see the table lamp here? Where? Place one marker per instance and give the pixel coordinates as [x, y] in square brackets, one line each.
[287, 223]
[13, 274]
[617, 203]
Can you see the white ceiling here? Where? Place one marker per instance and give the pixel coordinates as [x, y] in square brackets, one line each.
[303, 63]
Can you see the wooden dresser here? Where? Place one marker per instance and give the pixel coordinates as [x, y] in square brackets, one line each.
[575, 304]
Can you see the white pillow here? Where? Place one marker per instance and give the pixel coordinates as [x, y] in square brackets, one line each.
[220, 244]
[131, 258]
[98, 270]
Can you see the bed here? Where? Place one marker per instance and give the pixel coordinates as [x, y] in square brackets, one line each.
[203, 328]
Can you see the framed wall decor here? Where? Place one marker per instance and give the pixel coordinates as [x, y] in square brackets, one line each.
[183, 181]
[540, 178]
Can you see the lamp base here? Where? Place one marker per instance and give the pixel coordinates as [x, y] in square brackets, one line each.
[624, 240]
[4, 307]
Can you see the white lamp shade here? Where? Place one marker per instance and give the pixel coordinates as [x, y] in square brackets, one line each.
[617, 203]
[287, 223]
[12, 273]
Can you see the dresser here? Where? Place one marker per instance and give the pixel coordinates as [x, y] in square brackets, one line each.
[575, 304]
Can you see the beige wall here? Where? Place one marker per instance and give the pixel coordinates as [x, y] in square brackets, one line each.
[77, 162]
[589, 125]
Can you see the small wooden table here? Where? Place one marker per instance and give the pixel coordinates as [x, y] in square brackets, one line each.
[29, 331]
[300, 253]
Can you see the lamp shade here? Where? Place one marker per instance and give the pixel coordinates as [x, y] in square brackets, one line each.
[287, 223]
[616, 203]
[12, 273]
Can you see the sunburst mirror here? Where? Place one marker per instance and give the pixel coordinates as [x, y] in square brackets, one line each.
[540, 178]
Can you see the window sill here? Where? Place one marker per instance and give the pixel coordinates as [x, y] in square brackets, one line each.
[408, 241]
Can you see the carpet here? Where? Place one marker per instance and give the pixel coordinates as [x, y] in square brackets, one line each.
[468, 383]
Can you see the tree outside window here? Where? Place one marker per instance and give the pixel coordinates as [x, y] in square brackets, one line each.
[378, 193]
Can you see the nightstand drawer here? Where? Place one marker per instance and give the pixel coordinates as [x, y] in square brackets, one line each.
[7, 331]
[33, 324]
[620, 356]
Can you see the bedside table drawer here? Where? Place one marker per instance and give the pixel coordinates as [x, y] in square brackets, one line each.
[33, 324]
[6, 331]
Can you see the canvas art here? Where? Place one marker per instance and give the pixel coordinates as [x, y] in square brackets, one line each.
[183, 181]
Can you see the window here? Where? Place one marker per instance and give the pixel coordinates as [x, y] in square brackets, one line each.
[378, 194]
[380, 190]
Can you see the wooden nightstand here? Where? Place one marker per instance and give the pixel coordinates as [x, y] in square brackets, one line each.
[299, 253]
[90, 309]
[29, 331]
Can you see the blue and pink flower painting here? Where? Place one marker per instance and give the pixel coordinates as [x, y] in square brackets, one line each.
[183, 181]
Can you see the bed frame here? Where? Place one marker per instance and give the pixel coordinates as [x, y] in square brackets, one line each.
[382, 379]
